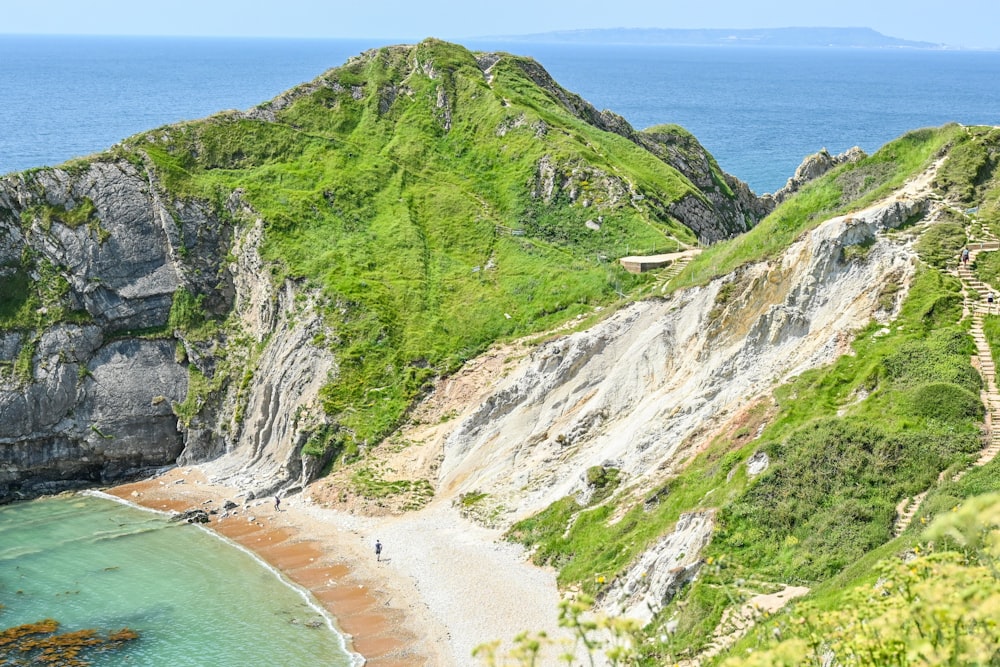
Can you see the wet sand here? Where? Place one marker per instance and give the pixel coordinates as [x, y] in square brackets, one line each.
[370, 606]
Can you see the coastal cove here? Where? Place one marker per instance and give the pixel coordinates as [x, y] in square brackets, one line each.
[91, 562]
[437, 593]
[411, 609]
[393, 299]
[313, 556]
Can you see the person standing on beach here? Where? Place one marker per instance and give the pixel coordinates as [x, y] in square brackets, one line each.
[277, 503]
[378, 550]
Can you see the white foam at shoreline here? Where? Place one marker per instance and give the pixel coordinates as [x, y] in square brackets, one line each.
[357, 660]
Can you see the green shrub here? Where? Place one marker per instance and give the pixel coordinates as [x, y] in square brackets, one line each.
[937, 606]
[941, 244]
[370, 483]
[16, 298]
[987, 268]
[24, 364]
[991, 329]
[820, 200]
[967, 163]
[948, 402]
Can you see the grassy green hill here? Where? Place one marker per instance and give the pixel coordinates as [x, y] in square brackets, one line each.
[439, 200]
[434, 201]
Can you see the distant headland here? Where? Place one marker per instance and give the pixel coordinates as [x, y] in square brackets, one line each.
[773, 37]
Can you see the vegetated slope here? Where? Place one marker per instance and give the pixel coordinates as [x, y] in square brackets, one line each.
[291, 278]
[758, 428]
[437, 200]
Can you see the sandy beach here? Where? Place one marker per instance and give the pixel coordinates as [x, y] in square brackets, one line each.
[442, 586]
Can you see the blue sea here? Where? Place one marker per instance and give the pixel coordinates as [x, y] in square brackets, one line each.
[195, 600]
[93, 563]
[759, 111]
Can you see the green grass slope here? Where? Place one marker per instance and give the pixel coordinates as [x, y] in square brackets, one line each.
[850, 186]
[846, 442]
[439, 200]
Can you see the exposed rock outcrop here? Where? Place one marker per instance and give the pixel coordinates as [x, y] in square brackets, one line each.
[814, 166]
[651, 582]
[282, 408]
[89, 403]
[92, 402]
[725, 206]
[637, 386]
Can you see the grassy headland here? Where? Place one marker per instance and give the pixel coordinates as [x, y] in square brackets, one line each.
[437, 204]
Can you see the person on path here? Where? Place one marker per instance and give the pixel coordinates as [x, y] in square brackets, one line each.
[378, 550]
[277, 503]
[965, 256]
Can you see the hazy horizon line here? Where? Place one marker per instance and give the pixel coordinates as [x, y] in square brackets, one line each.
[536, 37]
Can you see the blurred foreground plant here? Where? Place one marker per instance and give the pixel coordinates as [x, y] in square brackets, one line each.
[596, 639]
[942, 608]
[939, 604]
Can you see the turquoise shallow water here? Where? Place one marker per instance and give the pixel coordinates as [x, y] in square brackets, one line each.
[196, 600]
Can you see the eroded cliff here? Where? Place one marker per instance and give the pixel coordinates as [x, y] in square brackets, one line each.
[90, 402]
[273, 288]
[656, 377]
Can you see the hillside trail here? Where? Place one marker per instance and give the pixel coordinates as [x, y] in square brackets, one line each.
[980, 306]
[976, 305]
[683, 259]
[737, 621]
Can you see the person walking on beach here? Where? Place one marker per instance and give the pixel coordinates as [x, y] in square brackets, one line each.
[378, 550]
[277, 503]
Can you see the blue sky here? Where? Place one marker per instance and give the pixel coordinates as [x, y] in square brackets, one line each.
[964, 23]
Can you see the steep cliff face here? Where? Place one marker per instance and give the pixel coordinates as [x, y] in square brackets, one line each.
[255, 437]
[98, 400]
[634, 391]
[89, 402]
[91, 412]
[725, 206]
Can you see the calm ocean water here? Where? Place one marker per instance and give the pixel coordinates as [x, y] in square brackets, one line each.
[758, 110]
[194, 600]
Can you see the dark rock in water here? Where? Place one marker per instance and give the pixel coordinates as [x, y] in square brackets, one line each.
[191, 516]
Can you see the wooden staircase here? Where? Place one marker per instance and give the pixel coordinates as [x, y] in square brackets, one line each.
[905, 511]
[664, 278]
[977, 307]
